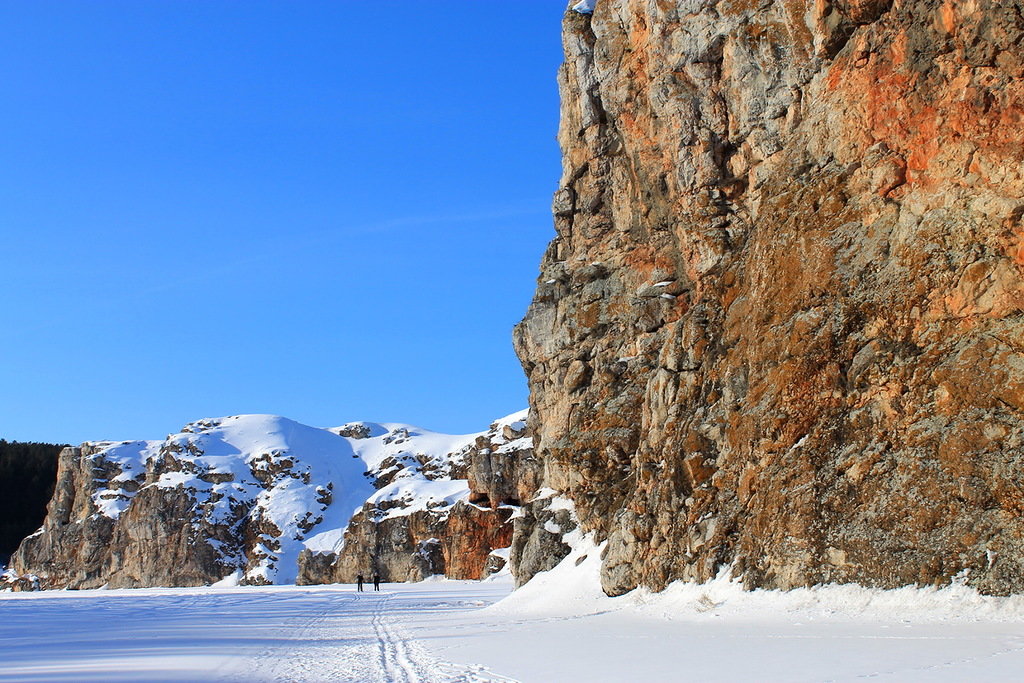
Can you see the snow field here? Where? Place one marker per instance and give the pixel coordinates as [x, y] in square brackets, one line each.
[472, 632]
[558, 627]
[267, 633]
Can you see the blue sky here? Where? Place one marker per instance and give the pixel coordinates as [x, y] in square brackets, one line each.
[326, 210]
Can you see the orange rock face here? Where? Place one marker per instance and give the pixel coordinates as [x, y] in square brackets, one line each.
[470, 536]
[781, 327]
[413, 547]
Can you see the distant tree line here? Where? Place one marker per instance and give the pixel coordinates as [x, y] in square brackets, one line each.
[28, 474]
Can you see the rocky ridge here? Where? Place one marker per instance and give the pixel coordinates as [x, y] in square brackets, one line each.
[781, 326]
[240, 499]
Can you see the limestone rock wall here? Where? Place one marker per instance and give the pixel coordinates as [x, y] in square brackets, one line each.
[152, 543]
[539, 538]
[502, 468]
[76, 555]
[781, 326]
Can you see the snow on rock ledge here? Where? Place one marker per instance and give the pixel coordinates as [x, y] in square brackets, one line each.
[584, 6]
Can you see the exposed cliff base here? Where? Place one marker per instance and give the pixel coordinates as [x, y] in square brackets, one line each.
[781, 327]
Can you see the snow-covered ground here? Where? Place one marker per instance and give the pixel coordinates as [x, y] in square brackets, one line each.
[271, 633]
[550, 631]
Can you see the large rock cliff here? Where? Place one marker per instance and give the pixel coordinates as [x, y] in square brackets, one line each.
[263, 499]
[781, 326]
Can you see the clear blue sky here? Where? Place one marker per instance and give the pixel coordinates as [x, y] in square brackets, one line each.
[326, 210]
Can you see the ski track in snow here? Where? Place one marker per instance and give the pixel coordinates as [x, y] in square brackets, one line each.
[395, 660]
[334, 643]
[257, 634]
[404, 660]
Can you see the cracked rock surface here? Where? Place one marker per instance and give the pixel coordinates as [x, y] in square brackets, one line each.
[781, 326]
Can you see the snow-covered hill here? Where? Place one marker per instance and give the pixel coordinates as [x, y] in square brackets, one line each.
[239, 498]
[444, 503]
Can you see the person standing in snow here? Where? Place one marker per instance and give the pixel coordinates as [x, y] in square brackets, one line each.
[359, 582]
[376, 581]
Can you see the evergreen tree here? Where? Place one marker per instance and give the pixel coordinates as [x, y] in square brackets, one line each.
[28, 474]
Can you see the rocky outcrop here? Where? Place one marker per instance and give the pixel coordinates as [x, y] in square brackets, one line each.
[414, 546]
[781, 326]
[228, 496]
[539, 540]
[262, 499]
[75, 555]
[502, 468]
[11, 581]
[405, 533]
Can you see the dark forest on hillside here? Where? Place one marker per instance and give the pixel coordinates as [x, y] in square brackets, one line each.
[28, 472]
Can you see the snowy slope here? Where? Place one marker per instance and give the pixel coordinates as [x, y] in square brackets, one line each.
[289, 478]
[419, 469]
[415, 466]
